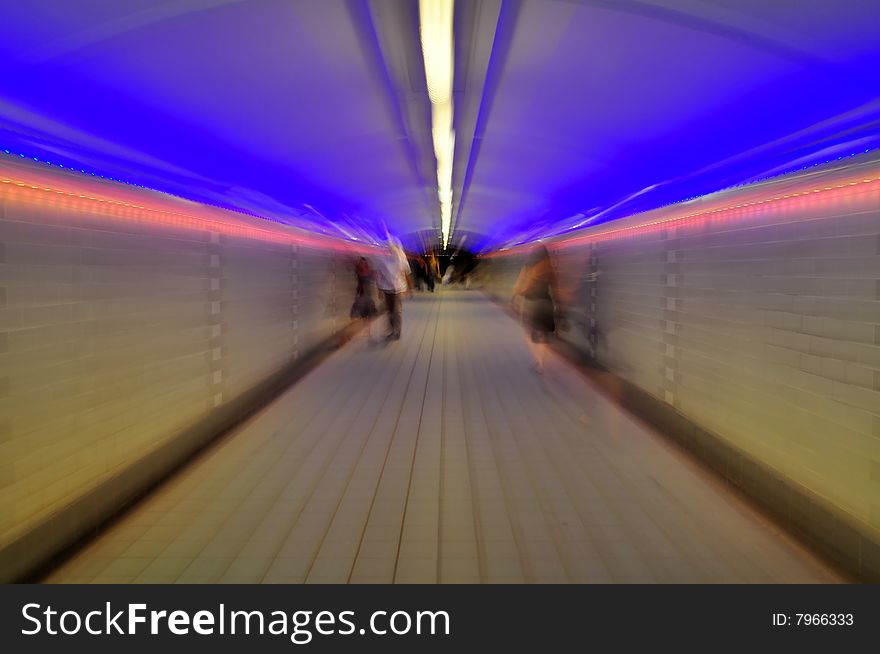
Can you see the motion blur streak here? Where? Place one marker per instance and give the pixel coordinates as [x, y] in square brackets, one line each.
[109, 198]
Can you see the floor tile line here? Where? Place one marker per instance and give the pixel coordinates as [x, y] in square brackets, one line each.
[365, 441]
[503, 421]
[316, 442]
[416, 444]
[435, 308]
[480, 388]
[392, 374]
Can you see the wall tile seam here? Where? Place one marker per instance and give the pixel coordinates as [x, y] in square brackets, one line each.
[173, 247]
[692, 364]
[714, 314]
[799, 227]
[802, 228]
[805, 233]
[796, 415]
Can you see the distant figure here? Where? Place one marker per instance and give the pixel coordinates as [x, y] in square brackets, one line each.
[422, 274]
[433, 271]
[468, 275]
[447, 276]
[537, 285]
[363, 307]
[393, 279]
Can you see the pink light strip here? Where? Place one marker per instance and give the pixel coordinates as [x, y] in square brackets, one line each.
[831, 191]
[126, 204]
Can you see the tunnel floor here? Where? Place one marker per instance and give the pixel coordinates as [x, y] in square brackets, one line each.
[443, 458]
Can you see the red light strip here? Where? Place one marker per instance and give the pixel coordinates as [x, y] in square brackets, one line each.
[654, 225]
[646, 226]
[11, 188]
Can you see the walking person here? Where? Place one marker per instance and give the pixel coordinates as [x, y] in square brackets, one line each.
[364, 307]
[394, 280]
[538, 287]
[421, 276]
[433, 271]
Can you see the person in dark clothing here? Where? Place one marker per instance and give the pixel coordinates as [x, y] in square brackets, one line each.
[421, 272]
[538, 287]
[364, 306]
[433, 271]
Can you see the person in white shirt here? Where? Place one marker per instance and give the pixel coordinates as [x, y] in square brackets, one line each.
[393, 279]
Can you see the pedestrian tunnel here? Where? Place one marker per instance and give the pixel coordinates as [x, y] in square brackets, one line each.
[435, 292]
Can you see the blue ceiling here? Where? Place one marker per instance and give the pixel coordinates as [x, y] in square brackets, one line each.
[315, 113]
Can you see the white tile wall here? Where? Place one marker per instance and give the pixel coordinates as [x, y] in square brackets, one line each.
[116, 335]
[763, 328]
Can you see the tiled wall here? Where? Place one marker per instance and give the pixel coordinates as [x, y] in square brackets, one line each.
[115, 335]
[759, 323]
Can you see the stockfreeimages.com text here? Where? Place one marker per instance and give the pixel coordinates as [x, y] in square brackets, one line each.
[300, 626]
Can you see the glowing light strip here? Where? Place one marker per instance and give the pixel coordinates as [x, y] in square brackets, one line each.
[583, 224]
[791, 171]
[16, 156]
[435, 19]
[435, 27]
[654, 225]
[70, 168]
[106, 206]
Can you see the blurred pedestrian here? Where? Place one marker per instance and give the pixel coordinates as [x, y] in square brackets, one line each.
[394, 280]
[422, 273]
[433, 271]
[447, 276]
[364, 307]
[538, 287]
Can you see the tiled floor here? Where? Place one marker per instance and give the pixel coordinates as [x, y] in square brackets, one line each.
[443, 458]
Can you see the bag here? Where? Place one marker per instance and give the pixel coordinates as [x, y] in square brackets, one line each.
[363, 307]
[531, 284]
[523, 281]
[533, 291]
[538, 285]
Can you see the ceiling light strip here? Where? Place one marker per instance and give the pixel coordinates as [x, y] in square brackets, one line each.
[435, 27]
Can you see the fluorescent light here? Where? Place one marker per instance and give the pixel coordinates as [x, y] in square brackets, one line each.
[435, 25]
